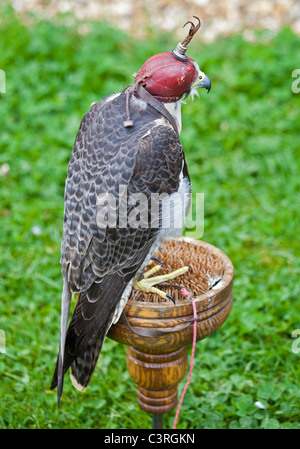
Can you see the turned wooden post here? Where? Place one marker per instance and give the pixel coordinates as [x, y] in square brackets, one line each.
[157, 334]
[157, 376]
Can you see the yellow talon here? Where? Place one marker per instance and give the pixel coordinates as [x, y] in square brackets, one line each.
[146, 284]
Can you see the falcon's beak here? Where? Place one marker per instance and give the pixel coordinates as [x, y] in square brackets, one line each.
[204, 81]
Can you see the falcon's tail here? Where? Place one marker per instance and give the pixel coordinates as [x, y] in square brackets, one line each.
[83, 366]
[80, 346]
[65, 307]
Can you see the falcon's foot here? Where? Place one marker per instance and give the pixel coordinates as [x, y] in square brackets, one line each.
[146, 284]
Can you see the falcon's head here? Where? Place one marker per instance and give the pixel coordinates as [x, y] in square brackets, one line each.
[170, 75]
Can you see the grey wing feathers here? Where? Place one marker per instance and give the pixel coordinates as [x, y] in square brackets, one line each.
[104, 158]
[98, 263]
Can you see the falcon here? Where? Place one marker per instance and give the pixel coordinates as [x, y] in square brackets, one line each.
[127, 158]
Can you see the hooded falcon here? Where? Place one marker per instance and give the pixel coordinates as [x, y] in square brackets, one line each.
[127, 156]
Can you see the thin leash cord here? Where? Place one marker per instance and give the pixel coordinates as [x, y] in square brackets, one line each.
[186, 293]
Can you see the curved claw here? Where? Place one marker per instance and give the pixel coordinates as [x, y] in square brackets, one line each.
[157, 260]
[171, 298]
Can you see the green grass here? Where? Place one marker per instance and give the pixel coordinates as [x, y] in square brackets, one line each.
[242, 147]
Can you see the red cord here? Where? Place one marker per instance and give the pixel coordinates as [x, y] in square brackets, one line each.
[186, 293]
